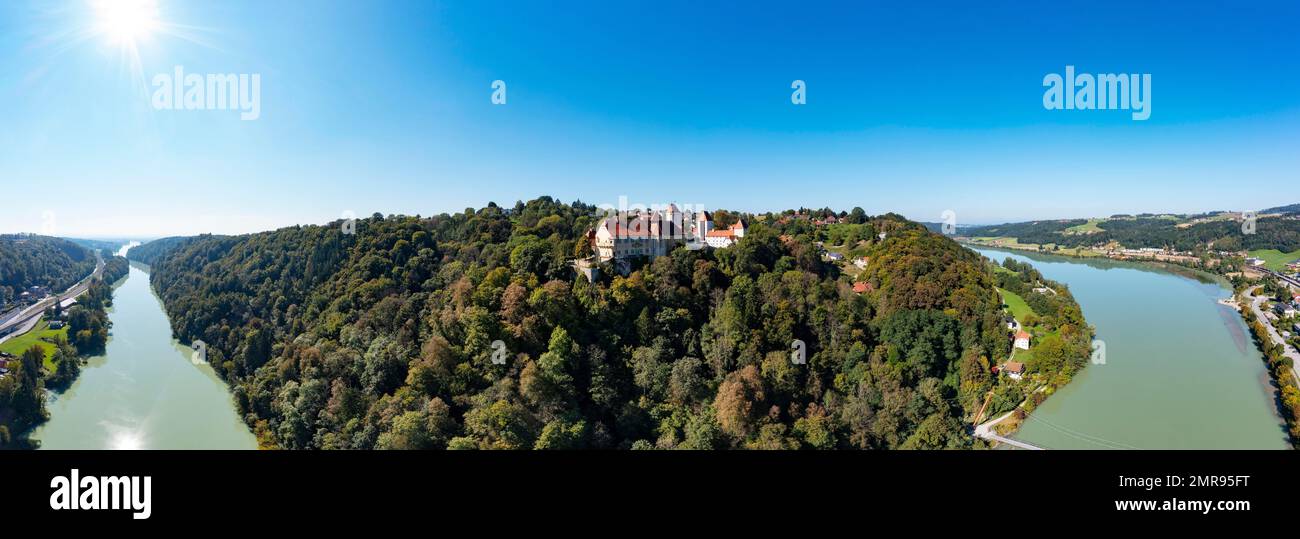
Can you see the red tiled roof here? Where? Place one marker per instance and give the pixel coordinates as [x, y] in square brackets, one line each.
[1022, 335]
[1015, 366]
[862, 287]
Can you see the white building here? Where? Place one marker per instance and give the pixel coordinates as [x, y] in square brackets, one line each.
[654, 233]
[1022, 340]
[721, 239]
[1014, 369]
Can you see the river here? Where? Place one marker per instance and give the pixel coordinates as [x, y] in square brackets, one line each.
[143, 392]
[1180, 370]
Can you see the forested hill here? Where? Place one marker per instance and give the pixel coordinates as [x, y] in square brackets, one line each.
[1180, 233]
[27, 260]
[384, 338]
[149, 252]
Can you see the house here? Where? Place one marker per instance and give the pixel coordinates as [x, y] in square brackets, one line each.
[834, 257]
[1014, 369]
[1012, 324]
[1252, 261]
[861, 262]
[56, 324]
[1284, 309]
[1022, 340]
[721, 239]
[862, 287]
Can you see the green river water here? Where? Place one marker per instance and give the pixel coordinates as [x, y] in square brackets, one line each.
[144, 392]
[1180, 370]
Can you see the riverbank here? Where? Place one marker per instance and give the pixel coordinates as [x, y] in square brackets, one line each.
[1174, 369]
[1282, 361]
[143, 391]
[48, 358]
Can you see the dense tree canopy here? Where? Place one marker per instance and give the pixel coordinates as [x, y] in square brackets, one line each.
[385, 338]
[27, 261]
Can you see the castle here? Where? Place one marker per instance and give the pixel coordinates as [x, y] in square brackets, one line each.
[656, 233]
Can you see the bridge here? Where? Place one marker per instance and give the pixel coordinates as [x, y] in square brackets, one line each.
[986, 432]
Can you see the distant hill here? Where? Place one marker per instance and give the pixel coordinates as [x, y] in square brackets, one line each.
[98, 245]
[28, 260]
[1287, 210]
[151, 252]
[1183, 233]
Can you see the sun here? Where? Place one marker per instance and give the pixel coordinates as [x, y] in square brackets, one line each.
[126, 441]
[126, 21]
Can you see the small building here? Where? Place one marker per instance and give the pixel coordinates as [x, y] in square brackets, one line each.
[1014, 369]
[834, 257]
[1022, 340]
[721, 239]
[1284, 309]
[56, 324]
[861, 262]
[862, 287]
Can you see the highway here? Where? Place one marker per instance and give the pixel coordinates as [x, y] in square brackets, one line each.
[26, 319]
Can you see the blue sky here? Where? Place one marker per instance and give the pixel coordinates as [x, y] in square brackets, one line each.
[913, 107]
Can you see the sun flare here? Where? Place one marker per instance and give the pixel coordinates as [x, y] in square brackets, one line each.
[126, 21]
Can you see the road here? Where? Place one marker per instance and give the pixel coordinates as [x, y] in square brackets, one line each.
[1283, 278]
[985, 431]
[26, 319]
[1287, 349]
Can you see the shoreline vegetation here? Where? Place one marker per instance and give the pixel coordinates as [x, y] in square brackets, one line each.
[389, 338]
[55, 360]
[1060, 345]
[1280, 367]
[1287, 394]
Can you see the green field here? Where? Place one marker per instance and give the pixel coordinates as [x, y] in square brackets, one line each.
[1274, 259]
[1016, 305]
[1089, 227]
[21, 343]
[1009, 242]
